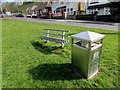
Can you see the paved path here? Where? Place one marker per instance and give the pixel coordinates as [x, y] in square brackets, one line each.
[82, 23]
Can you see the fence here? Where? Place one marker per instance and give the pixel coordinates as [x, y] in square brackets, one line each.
[106, 18]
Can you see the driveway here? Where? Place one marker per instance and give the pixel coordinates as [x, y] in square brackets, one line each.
[82, 23]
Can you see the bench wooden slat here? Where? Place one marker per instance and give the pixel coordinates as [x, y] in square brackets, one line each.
[57, 34]
[54, 39]
[57, 30]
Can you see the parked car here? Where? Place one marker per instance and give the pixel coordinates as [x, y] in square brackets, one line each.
[8, 13]
[34, 15]
[3, 15]
[19, 15]
[29, 15]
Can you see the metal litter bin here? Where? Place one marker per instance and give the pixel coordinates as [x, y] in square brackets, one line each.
[86, 53]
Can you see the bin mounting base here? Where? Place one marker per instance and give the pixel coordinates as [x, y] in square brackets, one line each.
[82, 75]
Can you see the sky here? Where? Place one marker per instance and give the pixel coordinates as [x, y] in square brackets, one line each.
[8, 0]
[14, 0]
[41, 0]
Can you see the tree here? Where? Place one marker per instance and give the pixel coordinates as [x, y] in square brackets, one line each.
[9, 6]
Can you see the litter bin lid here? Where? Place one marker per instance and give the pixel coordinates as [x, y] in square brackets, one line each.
[88, 36]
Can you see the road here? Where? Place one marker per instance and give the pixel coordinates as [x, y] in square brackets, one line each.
[82, 23]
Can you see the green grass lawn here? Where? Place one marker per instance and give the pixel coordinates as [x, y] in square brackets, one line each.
[22, 8]
[27, 62]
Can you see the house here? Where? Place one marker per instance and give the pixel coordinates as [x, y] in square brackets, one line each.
[34, 12]
[31, 12]
[58, 8]
[75, 7]
[67, 8]
[99, 6]
[18, 3]
[28, 12]
[44, 10]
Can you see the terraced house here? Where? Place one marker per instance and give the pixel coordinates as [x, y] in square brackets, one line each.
[67, 8]
[99, 6]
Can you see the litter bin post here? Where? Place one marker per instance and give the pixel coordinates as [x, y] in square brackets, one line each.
[86, 53]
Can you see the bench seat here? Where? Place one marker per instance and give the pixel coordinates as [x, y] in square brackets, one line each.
[54, 39]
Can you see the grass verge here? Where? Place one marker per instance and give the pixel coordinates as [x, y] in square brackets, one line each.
[29, 63]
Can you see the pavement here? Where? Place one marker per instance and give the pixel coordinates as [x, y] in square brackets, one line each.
[82, 23]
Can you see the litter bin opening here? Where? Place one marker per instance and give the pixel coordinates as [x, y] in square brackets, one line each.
[86, 44]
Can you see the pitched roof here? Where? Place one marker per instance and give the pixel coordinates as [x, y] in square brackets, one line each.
[44, 5]
[88, 36]
[33, 7]
[49, 4]
[98, 6]
[29, 8]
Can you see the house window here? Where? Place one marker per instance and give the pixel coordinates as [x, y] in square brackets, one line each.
[62, 2]
[72, 13]
[68, 9]
[107, 11]
[71, 9]
[94, 0]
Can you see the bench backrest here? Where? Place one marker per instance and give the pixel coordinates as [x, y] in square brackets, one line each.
[63, 33]
[56, 30]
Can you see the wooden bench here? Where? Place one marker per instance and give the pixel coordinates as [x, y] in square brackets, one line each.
[57, 40]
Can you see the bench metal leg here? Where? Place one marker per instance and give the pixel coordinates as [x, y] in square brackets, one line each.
[63, 33]
[47, 41]
[47, 35]
[62, 45]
